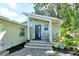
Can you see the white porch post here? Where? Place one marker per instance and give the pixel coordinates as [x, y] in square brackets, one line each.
[50, 31]
[28, 28]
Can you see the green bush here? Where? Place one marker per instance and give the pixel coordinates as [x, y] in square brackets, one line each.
[56, 46]
[68, 39]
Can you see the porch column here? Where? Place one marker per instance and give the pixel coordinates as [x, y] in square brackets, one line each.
[50, 31]
[28, 28]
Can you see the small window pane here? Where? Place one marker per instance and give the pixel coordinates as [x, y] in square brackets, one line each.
[22, 32]
[46, 27]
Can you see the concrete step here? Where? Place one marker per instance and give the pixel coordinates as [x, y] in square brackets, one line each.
[27, 46]
[36, 41]
[41, 44]
[38, 44]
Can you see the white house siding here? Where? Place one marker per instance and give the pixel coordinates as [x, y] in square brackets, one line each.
[55, 29]
[38, 22]
[11, 37]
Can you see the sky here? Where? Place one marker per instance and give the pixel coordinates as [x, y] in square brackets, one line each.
[14, 11]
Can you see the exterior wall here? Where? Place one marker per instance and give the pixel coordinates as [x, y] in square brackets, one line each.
[11, 37]
[55, 28]
[43, 32]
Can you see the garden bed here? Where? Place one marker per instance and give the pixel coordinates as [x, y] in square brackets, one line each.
[66, 51]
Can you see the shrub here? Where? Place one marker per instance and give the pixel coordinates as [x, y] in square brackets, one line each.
[56, 46]
[68, 39]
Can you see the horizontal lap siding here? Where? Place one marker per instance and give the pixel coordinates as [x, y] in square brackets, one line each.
[12, 38]
[55, 29]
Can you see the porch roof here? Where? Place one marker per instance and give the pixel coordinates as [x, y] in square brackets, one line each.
[47, 18]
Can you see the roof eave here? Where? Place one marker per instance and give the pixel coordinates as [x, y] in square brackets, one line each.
[7, 19]
[41, 17]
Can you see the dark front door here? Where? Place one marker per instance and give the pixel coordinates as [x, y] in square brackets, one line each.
[38, 32]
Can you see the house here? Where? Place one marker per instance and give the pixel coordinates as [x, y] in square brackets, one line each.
[42, 28]
[12, 33]
[37, 28]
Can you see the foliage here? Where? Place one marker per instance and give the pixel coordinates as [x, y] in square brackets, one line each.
[69, 13]
[56, 46]
[49, 9]
[39, 8]
[68, 39]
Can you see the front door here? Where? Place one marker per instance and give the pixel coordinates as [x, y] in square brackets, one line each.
[38, 32]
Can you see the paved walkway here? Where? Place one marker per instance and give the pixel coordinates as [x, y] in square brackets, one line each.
[37, 52]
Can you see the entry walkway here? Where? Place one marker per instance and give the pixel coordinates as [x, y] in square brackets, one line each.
[37, 52]
[30, 52]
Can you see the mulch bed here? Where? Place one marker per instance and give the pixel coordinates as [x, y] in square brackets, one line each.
[67, 51]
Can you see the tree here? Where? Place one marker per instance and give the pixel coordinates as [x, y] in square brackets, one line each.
[39, 8]
[49, 9]
[69, 13]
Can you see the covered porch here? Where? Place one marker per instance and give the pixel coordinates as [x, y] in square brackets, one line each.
[37, 31]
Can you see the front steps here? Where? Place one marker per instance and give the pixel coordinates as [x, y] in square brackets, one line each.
[39, 45]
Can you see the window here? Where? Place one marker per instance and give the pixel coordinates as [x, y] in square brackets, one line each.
[46, 27]
[22, 32]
